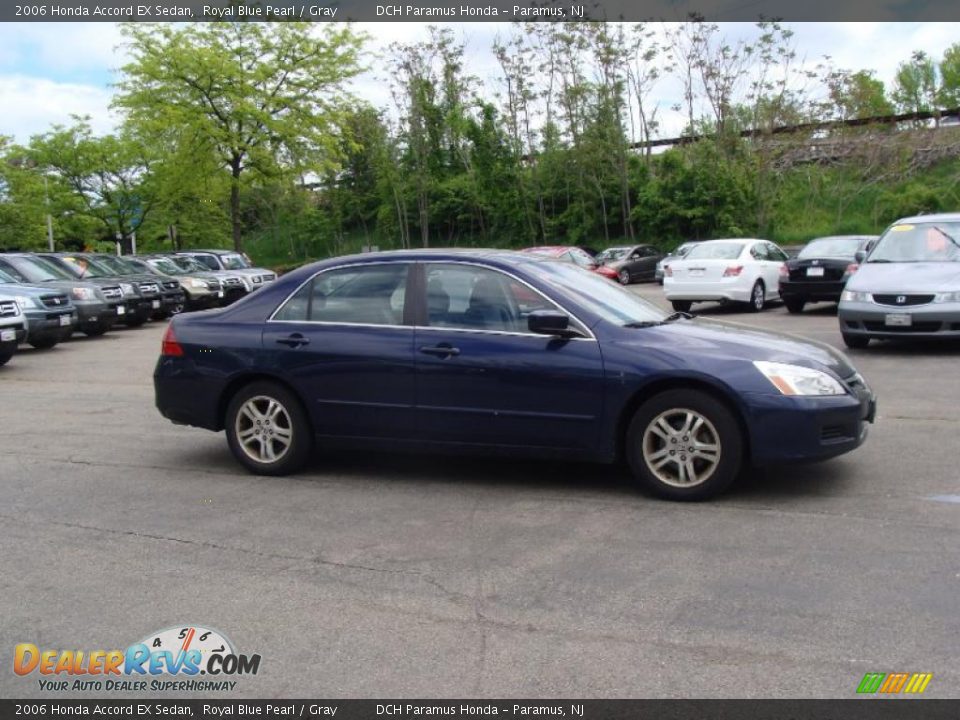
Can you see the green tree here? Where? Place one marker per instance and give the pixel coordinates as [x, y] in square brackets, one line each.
[261, 94]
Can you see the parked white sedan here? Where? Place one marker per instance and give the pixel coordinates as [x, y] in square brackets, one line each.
[743, 270]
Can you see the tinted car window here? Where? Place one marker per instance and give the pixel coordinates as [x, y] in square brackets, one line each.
[830, 248]
[716, 251]
[475, 298]
[208, 260]
[776, 253]
[364, 295]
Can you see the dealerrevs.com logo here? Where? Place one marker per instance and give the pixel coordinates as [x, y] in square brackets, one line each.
[171, 659]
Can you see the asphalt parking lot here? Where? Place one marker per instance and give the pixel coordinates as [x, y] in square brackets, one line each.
[392, 576]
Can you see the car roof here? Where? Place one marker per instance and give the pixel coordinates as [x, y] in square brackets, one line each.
[935, 217]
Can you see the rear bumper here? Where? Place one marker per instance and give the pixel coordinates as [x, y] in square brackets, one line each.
[796, 430]
[828, 290]
[932, 321]
[730, 289]
[184, 396]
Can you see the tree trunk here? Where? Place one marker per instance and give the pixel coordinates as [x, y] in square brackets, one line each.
[235, 168]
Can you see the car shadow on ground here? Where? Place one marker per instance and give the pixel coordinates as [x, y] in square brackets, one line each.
[500, 473]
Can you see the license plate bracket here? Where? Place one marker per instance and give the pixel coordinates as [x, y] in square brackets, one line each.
[898, 320]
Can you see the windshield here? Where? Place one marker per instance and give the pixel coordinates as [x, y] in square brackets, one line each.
[721, 250]
[833, 247]
[115, 265]
[166, 266]
[594, 292]
[4, 278]
[85, 267]
[919, 242]
[234, 262]
[614, 253]
[36, 269]
[189, 263]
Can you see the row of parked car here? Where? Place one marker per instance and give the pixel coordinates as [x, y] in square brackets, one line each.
[904, 283]
[46, 297]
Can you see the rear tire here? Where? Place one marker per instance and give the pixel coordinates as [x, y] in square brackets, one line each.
[794, 305]
[684, 445]
[267, 429]
[855, 342]
[681, 305]
[758, 296]
[4, 359]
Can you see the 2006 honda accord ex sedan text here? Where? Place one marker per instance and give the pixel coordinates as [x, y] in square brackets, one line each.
[508, 352]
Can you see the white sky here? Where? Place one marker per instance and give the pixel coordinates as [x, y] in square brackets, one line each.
[50, 71]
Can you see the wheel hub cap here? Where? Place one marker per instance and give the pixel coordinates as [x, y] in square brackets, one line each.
[263, 429]
[681, 448]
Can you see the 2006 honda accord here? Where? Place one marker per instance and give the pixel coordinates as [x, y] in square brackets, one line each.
[499, 351]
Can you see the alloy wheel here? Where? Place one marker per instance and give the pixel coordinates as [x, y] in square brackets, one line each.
[264, 429]
[681, 448]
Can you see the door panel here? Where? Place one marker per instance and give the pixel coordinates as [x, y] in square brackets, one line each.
[341, 342]
[481, 378]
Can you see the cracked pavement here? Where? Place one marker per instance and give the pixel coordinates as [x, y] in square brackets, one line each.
[396, 576]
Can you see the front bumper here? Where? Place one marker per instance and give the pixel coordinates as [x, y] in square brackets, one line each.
[790, 429]
[93, 314]
[9, 346]
[45, 325]
[931, 321]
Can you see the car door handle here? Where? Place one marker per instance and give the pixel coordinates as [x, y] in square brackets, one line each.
[443, 351]
[295, 340]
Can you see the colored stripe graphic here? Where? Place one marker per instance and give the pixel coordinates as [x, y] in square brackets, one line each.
[894, 683]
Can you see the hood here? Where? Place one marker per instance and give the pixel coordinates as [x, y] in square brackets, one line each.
[723, 338]
[920, 277]
[32, 291]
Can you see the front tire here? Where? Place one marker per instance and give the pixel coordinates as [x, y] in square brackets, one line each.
[855, 342]
[45, 344]
[684, 445]
[758, 296]
[267, 429]
[624, 277]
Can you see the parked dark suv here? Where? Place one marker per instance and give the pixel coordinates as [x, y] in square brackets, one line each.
[96, 304]
[50, 316]
[172, 299]
[138, 297]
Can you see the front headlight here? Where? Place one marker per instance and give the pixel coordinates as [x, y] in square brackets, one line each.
[947, 297]
[195, 283]
[127, 289]
[82, 293]
[853, 296]
[26, 303]
[798, 380]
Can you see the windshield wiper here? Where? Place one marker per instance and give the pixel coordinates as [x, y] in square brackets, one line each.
[642, 324]
[879, 260]
[654, 323]
[947, 235]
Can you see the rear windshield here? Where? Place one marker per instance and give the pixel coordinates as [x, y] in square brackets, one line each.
[919, 242]
[830, 248]
[716, 251]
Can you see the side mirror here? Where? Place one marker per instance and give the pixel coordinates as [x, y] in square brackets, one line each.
[859, 256]
[550, 322]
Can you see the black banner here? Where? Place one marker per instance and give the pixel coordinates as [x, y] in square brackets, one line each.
[858, 709]
[433, 11]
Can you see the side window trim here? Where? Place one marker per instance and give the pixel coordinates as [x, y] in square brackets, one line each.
[310, 281]
[582, 326]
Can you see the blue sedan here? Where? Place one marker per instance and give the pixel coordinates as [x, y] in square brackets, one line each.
[494, 351]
